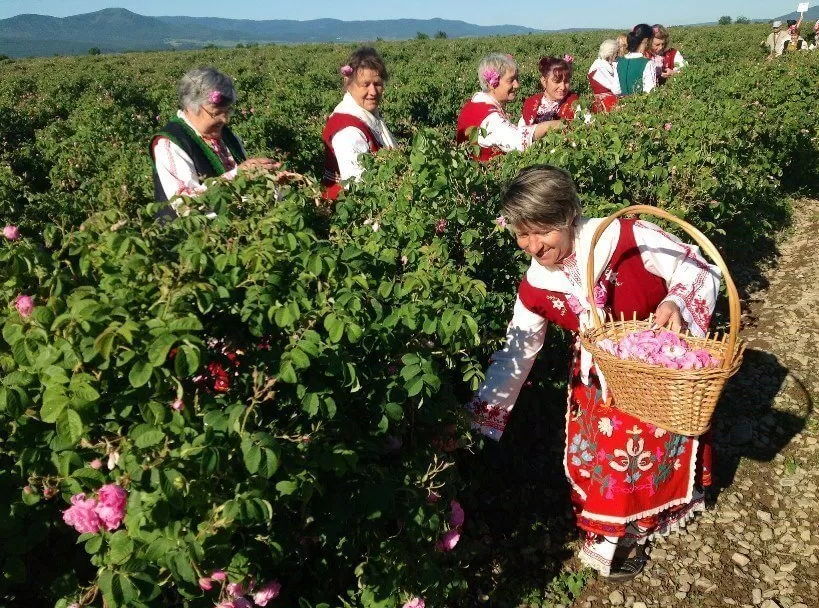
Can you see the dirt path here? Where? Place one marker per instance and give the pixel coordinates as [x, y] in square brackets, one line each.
[758, 544]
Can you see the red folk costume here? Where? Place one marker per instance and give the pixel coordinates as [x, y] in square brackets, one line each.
[471, 117]
[670, 59]
[605, 85]
[538, 108]
[501, 135]
[630, 480]
[335, 123]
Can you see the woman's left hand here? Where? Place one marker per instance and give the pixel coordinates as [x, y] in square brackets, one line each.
[668, 315]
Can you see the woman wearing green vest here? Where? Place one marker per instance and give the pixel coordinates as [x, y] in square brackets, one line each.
[634, 70]
[197, 143]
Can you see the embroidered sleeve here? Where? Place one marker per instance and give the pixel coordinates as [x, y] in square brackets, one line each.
[348, 144]
[176, 170]
[502, 134]
[507, 372]
[649, 78]
[692, 283]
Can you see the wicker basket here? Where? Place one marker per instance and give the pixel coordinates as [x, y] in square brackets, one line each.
[681, 401]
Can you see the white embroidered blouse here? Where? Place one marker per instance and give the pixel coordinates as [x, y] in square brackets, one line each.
[501, 132]
[688, 277]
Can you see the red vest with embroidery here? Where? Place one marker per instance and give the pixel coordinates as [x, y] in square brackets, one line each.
[628, 285]
[604, 98]
[564, 111]
[471, 116]
[668, 64]
[336, 123]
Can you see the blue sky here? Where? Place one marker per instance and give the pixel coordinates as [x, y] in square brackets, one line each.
[539, 14]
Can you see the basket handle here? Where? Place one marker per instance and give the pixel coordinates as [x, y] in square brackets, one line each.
[706, 245]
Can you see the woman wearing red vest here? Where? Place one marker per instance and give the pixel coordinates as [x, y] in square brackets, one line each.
[603, 79]
[498, 78]
[667, 62]
[630, 481]
[557, 103]
[355, 127]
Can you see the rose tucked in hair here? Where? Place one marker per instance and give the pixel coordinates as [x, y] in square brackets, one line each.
[215, 97]
[365, 58]
[568, 59]
[491, 77]
[346, 70]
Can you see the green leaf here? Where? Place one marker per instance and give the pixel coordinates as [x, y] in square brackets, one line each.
[299, 358]
[394, 411]
[159, 349]
[414, 386]
[93, 544]
[88, 477]
[334, 327]
[287, 373]
[146, 435]
[74, 425]
[252, 456]
[55, 402]
[12, 333]
[140, 373]
[285, 488]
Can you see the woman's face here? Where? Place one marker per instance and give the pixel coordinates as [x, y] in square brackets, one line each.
[547, 246]
[658, 46]
[209, 119]
[556, 88]
[507, 89]
[366, 87]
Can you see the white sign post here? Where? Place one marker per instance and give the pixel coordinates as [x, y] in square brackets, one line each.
[803, 6]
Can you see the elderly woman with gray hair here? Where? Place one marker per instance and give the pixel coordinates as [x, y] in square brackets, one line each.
[197, 143]
[486, 111]
[603, 79]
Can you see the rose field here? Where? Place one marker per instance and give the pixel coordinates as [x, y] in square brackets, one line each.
[267, 404]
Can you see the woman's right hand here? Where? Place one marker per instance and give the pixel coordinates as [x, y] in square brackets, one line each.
[256, 165]
[544, 127]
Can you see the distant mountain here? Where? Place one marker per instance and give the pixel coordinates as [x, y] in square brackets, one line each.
[812, 14]
[117, 29]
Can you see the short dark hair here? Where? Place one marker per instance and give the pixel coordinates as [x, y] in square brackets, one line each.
[367, 58]
[561, 68]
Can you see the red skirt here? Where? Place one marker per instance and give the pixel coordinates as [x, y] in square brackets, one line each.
[622, 469]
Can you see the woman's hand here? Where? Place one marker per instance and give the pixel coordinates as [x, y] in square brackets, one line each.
[258, 165]
[542, 128]
[668, 315]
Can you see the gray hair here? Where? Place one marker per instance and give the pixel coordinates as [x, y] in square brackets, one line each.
[197, 84]
[499, 62]
[609, 50]
[541, 196]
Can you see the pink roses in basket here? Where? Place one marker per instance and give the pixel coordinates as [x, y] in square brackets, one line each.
[659, 348]
[90, 515]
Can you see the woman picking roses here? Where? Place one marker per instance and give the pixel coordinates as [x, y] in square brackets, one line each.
[630, 480]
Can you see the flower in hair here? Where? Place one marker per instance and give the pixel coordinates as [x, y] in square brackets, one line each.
[491, 77]
[346, 70]
[215, 97]
[501, 221]
[793, 29]
[568, 59]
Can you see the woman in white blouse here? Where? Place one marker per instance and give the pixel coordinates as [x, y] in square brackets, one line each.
[486, 111]
[355, 126]
[603, 80]
[197, 143]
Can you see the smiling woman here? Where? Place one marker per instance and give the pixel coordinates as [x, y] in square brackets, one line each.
[355, 126]
[197, 142]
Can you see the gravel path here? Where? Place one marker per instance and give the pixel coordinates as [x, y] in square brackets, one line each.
[758, 544]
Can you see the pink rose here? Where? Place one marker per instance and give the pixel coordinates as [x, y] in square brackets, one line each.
[269, 591]
[111, 506]
[668, 126]
[456, 519]
[24, 305]
[236, 589]
[574, 304]
[12, 233]
[205, 583]
[491, 77]
[568, 59]
[448, 541]
[416, 602]
[500, 221]
[241, 602]
[215, 97]
[82, 515]
[440, 226]
[601, 296]
[178, 405]
[96, 463]
[346, 70]
[219, 575]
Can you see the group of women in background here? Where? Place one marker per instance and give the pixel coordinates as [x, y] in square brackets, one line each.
[630, 480]
[197, 143]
